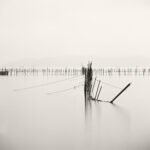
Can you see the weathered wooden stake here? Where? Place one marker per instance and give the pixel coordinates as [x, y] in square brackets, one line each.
[97, 89]
[120, 93]
[88, 80]
[99, 92]
[93, 86]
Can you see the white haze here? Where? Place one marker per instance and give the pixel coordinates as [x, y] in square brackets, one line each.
[46, 28]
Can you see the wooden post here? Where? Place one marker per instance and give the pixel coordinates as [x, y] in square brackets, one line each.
[120, 93]
[88, 79]
[97, 89]
[99, 92]
[92, 88]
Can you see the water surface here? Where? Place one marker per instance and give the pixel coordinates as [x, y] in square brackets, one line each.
[33, 120]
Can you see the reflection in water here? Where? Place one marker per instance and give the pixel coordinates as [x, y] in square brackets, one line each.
[106, 123]
[88, 121]
[33, 120]
[120, 126]
[88, 109]
[122, 114]
[88, 112]
[116, 111]
[98, 110]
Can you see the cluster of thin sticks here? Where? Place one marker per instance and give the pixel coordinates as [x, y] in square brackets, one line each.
[99, 88]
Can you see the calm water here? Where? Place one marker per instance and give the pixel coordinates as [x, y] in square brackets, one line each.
[33, 120]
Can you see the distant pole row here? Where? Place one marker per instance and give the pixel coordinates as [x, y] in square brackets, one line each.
[75, 71]
[44, 71]
[122, 71]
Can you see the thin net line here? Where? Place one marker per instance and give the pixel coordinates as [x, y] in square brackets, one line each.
[65, 90]
[46, 84]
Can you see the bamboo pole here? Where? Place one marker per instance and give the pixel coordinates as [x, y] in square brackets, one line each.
[93, 86]
[99, 92]
[97, 89]
[120, 93]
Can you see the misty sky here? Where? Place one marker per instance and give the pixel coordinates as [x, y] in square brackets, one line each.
[45, 28]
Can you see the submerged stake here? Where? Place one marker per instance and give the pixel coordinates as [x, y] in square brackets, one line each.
[97, 89]
[93, 86]
[120, 93]
[99, 92]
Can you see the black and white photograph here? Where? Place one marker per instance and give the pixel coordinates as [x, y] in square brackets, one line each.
[74, 75]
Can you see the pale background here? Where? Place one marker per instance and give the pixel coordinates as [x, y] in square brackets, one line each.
[45, 28]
